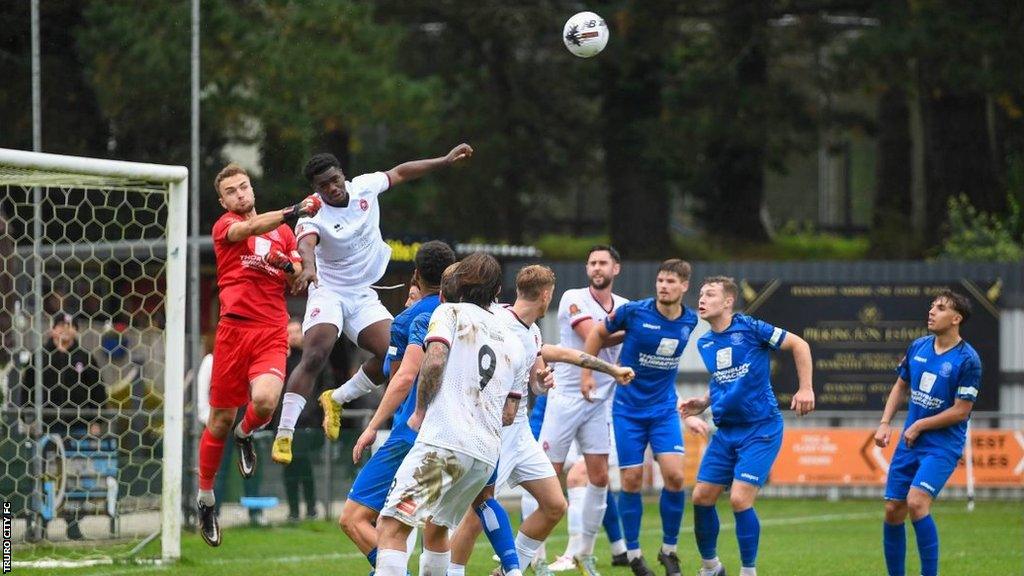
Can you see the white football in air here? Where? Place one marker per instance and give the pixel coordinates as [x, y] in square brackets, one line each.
[585, 34]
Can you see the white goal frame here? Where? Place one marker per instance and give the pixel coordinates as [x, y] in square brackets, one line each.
[176, 179]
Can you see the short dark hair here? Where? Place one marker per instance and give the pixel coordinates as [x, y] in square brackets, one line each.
[479, 278]
[227, 172]
[431, 259]
[727, 282]
[958, 301]
[676, 266]
[605, 248]
[319, 164]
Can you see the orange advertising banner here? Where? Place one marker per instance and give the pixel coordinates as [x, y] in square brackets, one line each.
[848, 456]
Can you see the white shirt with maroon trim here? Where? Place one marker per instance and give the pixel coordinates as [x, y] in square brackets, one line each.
[485, 361]
[577, 305]
[350, 252]
[531, 339]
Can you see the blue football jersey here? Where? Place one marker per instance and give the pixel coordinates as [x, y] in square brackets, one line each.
[936, 381]
[402, 323]
[739, 361]
[399, 426]
[652, 347]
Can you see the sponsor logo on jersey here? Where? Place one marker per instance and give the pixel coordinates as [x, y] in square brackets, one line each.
[708, 344]
[667, 347]
[927, 381]
[925, 400]
[920, 359]
[364, 205]
[723, 358]
[651, 326]
[928, 486]
[407, 506]
[748, 476]
[573, 310]
[946, 369]
[736, 338]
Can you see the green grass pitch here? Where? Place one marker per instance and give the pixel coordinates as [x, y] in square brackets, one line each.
[798, 537]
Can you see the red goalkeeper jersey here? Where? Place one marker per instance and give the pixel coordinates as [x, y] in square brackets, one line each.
[250, 288]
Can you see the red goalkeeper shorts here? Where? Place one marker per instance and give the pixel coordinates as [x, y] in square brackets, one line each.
[241, 352]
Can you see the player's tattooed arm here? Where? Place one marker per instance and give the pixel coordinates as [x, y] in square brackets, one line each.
[419, 168]
[552, 353]
[431, 374]
[508, 412]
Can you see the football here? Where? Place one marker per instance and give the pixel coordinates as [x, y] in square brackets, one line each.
[585, 34]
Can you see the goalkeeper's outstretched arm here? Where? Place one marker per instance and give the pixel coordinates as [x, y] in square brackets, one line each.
[263, 223]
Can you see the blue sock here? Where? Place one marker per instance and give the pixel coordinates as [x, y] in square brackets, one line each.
[748, 532]
[612, 523]
[927, 545]
[371, 557]
[705, 528]
[894, 542]
[499, 531]
[631, 507]
[672, 504]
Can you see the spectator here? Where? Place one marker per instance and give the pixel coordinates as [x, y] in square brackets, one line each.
[72, 391]
[307, 440]
[123, 379]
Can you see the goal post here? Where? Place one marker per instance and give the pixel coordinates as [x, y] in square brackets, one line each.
[105, 255]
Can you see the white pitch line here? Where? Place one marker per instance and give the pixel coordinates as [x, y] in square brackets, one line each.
[794, 520]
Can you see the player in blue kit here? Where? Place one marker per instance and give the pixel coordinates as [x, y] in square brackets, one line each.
[644, 412]
[941, 374]
[736, 351]
[370, 488]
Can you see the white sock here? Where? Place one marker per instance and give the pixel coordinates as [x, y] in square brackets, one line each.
[631, 554]
[574, 516]
[526, 549]
[456, 570]
[619, 547]
[391, 562]
[573, 545]
[710, 564]
[207, 497]
[744, 571]
[668, 548]
[291, 407]
[594, 504]
[357, 386]
[410, 542]
[238, 430]
[514, 572]
[434, 563]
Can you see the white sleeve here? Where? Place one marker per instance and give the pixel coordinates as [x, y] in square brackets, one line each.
[373, 183]
[570, 309]
[443, 323]
[521, 385]
[538, 338]
[307, 225]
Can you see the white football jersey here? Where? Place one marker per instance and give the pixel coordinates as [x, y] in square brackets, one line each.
[485, 360]
[576, 306]
[531, 340]
[351, 252]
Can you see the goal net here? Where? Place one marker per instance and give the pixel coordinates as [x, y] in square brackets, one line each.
[92, 279]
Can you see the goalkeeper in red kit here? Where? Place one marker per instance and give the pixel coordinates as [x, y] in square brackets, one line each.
[256, 259]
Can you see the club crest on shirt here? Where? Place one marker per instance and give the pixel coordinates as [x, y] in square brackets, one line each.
[946, 369]
[363, 204]
[667, 347]
[723, 358]
[927, 381]
[573, 310]
[684, 333]
[736, 338]
[314, 313]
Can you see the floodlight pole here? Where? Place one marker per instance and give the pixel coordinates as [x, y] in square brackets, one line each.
[37, 276]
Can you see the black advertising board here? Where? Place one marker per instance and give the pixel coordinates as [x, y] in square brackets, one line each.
[859, 332]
